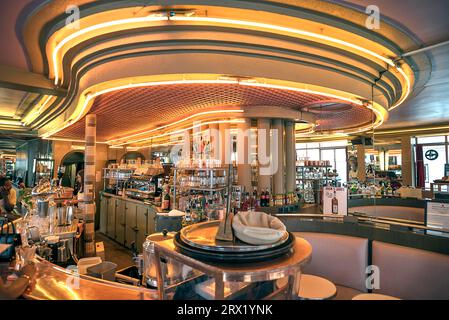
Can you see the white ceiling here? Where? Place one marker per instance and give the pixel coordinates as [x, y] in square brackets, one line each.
[427, 20]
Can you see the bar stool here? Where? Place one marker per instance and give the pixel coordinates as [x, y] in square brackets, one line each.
[373, 296]
[316, 288]
[312, 287]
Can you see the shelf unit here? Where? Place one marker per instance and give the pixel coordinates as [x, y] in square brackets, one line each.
[116, 177]
[209, 176]
[309, 186]
[43, 169]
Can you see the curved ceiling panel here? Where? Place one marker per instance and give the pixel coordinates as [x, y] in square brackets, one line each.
[320, 44]
[138, 109]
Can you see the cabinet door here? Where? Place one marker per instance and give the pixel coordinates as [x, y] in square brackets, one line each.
[110, 227]
[151, 221]
[142, 214]
[120, 221]
[131, 223]
[104, 215]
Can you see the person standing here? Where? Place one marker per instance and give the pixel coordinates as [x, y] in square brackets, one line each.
[8, 196]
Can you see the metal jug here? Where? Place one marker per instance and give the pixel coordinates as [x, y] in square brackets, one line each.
[171, 269]
[42, 208]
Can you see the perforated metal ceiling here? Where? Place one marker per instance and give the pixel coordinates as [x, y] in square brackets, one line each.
[133, 110]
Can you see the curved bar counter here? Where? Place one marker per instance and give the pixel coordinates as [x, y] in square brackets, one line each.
[395, 208]
[368, 241]
[55, 283]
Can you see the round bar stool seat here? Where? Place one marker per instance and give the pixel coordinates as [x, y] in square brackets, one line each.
[373, 296]
[316, 288]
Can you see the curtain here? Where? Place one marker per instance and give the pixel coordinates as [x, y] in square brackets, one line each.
[420, 172]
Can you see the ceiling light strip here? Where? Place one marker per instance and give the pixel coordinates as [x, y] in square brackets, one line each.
[94, 28]
[156, 18]
[285, 29]
[30, 117]
[183, 130]
[177, 122]
[90, 96]
[407, 90]
[70, 140]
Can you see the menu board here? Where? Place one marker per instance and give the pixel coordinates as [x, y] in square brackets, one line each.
[437, 216]
[335, 201]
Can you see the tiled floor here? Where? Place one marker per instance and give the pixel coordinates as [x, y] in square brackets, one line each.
[114, 252]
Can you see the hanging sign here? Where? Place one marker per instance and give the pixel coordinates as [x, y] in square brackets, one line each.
[431, 155]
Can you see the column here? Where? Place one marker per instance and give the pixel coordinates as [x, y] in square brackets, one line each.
[407, 169]
[361, 170]
[146, 152]
[264, 154]
[89, 185]
[214, 133]
[243, 157]
[101, 158]
[225, 146]
[277, 129]
[290, 156]
[190, 142]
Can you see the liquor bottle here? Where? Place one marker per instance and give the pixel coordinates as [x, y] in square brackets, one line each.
[187, 218]
[166, 201]
[335, 203]
[269, 199]
[255, 199]
[389, 190]
[262, 199]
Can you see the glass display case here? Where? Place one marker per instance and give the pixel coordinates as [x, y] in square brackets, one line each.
[144, 187]
[42, 169]
[201, 192]
[114, 180]
[7, 166]
[311, 176]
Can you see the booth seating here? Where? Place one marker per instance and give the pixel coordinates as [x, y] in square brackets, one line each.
[340, 259]
[410, 274]
[405, 273]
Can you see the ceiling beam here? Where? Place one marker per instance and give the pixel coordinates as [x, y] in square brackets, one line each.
[22, 80]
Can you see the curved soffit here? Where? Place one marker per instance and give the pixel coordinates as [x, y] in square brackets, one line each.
[85, 54]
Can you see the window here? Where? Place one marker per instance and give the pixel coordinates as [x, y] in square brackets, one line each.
[425, 140]
[333, 151]
[435, 156]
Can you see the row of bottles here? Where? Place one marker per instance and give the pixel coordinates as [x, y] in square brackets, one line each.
[384, 189]
[200, 207]
[250, 202]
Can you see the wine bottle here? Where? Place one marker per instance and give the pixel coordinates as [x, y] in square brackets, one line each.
[335, 203]
[166, 202]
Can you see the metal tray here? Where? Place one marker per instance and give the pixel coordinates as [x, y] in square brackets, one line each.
[236, 257]
[202, 236]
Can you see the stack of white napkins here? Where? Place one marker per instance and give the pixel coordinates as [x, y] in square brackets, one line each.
[172, 213]
[257, 228]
